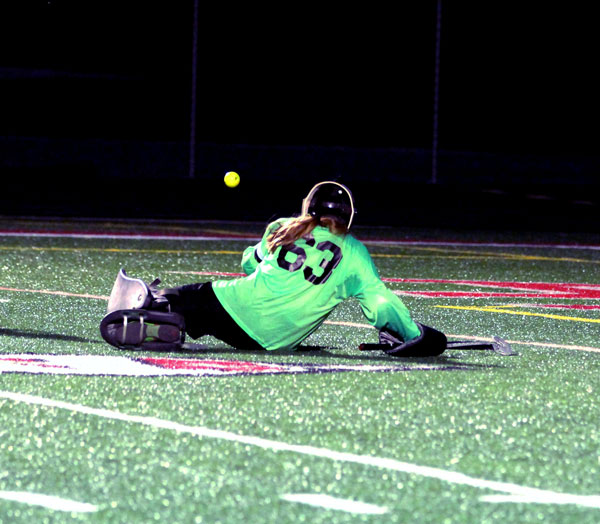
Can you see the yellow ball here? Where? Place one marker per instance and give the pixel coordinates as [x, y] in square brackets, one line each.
[232, 179]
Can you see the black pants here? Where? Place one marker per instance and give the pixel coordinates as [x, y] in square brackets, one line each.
[204, 315]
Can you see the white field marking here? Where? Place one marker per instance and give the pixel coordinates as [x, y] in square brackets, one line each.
[532, 499]
[329, 502]
[492, 309]
[347, 324]
[550, 497]
[256, 238]
[128, 236]
[331, 322]
[147, 367]
[48, 501]
[59, 293]
[536, 344]
[592, 247]
[483, 339]
[471, 255]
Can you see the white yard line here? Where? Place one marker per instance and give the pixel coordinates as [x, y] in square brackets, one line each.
[546, 498]
[125, 236]
[50, 292]
[256, 238]
[527, 245]
[330, 322]
[519, 493]
[48, 501]
[484, 339]
[329, 502]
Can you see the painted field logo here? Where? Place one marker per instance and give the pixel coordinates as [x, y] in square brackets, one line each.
[153, 367]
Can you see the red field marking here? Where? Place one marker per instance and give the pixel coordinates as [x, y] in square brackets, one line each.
[39, 362]
[204, 234]
[564, 290]
[232, 366]
[561, 290]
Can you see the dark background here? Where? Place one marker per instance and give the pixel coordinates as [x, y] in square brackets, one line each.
[96, 105]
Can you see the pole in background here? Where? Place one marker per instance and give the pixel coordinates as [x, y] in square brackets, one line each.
[192, 166]
[436, 94]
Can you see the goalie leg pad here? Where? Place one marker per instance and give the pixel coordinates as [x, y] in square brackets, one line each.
[134, 293]
[128, 293]
[143, 329]
[430, 343]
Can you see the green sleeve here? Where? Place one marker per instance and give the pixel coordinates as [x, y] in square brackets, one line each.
[249, 259]
[382, 308]
[253, 255]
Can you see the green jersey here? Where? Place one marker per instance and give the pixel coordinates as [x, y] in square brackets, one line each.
[288, 294]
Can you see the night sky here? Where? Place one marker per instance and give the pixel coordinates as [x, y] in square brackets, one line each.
[513, 78]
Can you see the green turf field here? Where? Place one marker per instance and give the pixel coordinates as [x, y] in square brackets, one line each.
[327, 434]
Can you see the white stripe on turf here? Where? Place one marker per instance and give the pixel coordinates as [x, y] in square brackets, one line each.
[453, 477]
[48, 501]
[236, 237]
[329, 502]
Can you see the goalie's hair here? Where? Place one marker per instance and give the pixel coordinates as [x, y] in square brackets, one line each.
[302, 227]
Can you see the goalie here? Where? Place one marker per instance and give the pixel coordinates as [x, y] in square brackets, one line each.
[296, 275]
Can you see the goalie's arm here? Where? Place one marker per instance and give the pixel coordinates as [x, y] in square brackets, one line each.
[401, 335]
[254, 255]
[385, 311]
[382, 308]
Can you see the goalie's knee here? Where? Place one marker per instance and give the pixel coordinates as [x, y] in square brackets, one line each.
[143, 329]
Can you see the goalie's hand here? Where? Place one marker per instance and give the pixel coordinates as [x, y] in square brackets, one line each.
[429, 343]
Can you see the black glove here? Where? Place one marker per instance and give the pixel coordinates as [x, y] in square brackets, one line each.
[430, 343]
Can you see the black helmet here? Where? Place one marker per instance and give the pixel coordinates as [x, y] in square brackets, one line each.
[329, 199]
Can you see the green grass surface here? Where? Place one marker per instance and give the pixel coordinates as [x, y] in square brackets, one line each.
[526, 421]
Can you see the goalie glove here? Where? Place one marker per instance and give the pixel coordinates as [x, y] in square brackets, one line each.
[430, 343]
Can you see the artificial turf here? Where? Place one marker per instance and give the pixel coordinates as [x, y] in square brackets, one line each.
[422, 443]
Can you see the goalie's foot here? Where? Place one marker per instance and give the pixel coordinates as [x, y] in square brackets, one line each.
[140, 329]
[134, 333]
